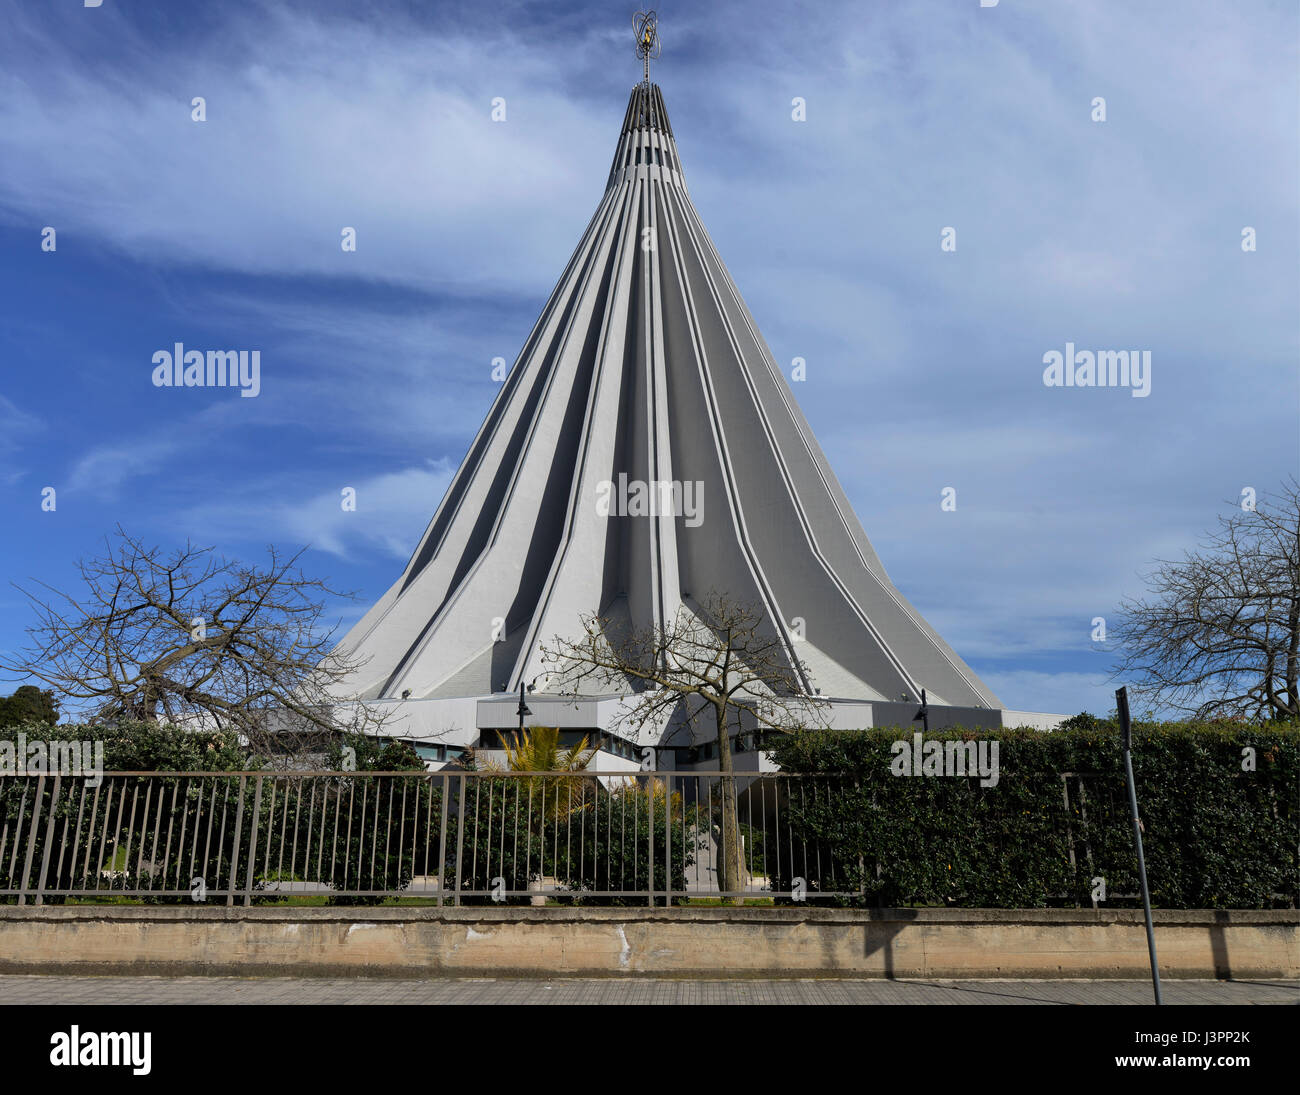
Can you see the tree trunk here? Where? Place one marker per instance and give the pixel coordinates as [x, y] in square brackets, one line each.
[730, 856]
[1292, 708]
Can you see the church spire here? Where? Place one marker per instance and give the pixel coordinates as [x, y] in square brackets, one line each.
[647, 38]
[644, 378]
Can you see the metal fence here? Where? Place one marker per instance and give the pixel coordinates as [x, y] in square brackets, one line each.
[482, 837]
[447, 837]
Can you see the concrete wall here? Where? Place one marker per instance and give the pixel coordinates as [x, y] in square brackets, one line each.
[704, 942]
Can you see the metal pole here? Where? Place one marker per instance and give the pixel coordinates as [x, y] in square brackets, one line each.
[34, 823]
[650, 840]
[234, 849]
[252, 845]
[49, 842]
[460, 836]
[1126, 729]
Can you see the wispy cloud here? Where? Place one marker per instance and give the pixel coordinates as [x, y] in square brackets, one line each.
[390, 512]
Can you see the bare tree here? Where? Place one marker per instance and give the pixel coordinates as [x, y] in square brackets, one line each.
[1219, 634]
[718, 659]
[193, 637]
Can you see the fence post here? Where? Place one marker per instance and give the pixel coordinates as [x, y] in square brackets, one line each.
[668, 840]
[31, 839]
[234, 849]
[252, 844]
[442, 843]
[460, 834]
[49, 843]
[650, 840]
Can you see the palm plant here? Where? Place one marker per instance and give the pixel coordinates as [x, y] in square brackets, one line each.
[539, 750]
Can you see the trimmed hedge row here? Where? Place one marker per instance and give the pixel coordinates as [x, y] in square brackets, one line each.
[1216, 834]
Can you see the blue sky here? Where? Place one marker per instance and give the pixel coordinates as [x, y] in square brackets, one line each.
[924, 367]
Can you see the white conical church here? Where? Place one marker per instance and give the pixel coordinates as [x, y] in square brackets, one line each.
[645, 379]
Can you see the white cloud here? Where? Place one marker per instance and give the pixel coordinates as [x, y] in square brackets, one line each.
[16, 425]
[1064, 693]
[403, 150]
[391, 512]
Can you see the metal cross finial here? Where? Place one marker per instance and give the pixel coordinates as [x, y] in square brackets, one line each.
[646, 24]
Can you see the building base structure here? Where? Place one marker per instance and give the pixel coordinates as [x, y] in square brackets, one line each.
[444, 729]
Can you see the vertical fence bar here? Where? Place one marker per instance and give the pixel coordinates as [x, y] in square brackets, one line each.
[157, 830]
[270, 827]
[234, 847]
[401, 834]
[428, 823]
[460, 834]
[668, 840]
[334, 840]
[18, 830]
[252, 843]
[324, 818]
[33, 825]
[361, 829]
[528, 836]
[289, 787]
[374, 841]
[473, 870]
[171, 822]
[442, 843]
[347, 840]
[221, 836]
[388, 832]
[49, 842]
[90, 838]
[776, 827]
[180, 847]
[650, 840]
[76, 840]
[297, 824]
[144, 832]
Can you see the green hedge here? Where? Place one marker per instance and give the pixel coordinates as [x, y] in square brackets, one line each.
[146, 746]
[1215, 836]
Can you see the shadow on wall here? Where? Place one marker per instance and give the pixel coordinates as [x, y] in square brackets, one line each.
[879, 935]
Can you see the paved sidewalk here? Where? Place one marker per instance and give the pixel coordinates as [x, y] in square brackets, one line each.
[291, 990]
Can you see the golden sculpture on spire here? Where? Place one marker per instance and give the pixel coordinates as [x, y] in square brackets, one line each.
[646, 24]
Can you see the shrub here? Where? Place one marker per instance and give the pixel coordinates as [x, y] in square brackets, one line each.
[1215, 835]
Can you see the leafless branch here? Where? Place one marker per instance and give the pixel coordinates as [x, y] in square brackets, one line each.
[193, 637]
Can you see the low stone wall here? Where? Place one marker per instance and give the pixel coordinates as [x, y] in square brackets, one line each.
[703, 942]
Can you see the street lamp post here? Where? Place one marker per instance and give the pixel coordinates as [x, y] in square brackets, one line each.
[523, 709]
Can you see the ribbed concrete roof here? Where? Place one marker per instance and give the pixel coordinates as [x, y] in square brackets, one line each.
[645, 364]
